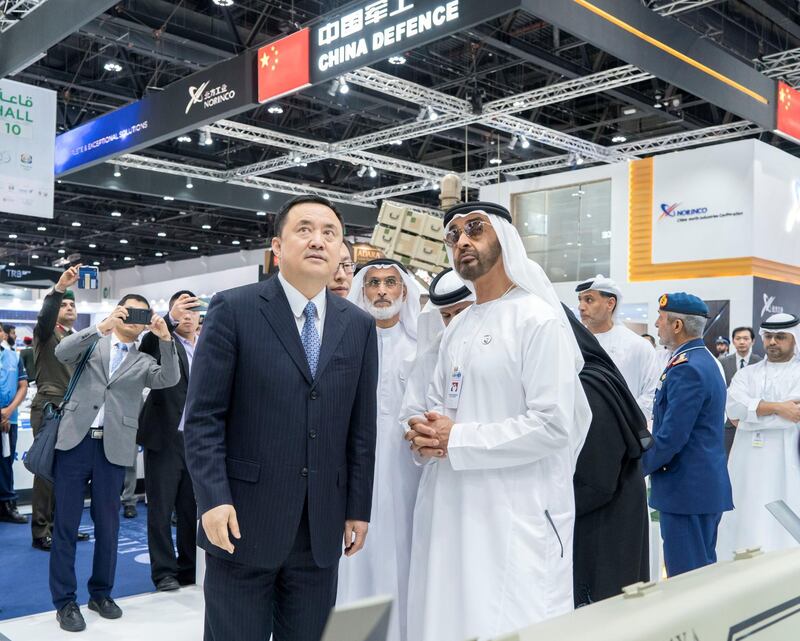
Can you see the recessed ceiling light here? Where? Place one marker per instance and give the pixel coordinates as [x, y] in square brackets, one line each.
[235, 242]
[92, 246]
[12, 236]
[96, 263]
[123, 241]
[75, 223]
[159, 254]
[275, 109]
[619, 138]
[396, 143]
[261, 213]
[112, 65]
[193, 248]
[12, 264]
[41, 228]
[162, 234]
[169, 198]
[34, 256]
[495, 161]
[223, 3]
[184, 139]
[116, 214]
[128, 258]
[62, 251]
[629, 111]
[206, 226]
[397, 60]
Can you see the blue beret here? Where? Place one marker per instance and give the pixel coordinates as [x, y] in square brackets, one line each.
[683, 303]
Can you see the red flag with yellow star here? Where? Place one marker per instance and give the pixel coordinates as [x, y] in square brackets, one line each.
[283, 66]
[788, 111]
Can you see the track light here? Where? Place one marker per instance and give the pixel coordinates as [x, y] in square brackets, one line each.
[189, 183]
[184, 139]
[432, 115]
[334, 87]
[112, 65]
[619, 138]
[397, 60]
[343, 86]
[117, 172]
[525, 142]
[495, 161]
[275, 109]
[362, 170]
[265, 195]
[373, 173]
[513, 144]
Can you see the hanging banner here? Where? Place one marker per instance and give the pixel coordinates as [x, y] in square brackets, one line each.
[788, 112]
[283, 66]
[222, 90]
[27, 130]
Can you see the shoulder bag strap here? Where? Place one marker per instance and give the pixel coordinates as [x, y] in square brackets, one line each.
[78, 371]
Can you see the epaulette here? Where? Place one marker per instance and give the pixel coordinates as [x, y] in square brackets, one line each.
[681, 359]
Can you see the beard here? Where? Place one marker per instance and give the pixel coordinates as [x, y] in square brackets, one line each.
[384, 313]
[484, 261]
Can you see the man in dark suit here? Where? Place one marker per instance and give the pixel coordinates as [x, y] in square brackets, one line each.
[280, 437]
[96, 442]
[166, 478]
[732, 363]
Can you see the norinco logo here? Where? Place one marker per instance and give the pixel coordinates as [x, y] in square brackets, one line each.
[769, 307]
[210, 98]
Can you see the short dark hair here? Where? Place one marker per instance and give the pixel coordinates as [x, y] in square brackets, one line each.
[177, 295]
[9, 328]
[136, 297]
[350, 249]
[283, 212]
[744, 329]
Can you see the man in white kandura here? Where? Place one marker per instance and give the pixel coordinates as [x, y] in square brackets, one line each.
[507, 419]
[448, 297]
[764, 464]
[599, 299]
[386, 290]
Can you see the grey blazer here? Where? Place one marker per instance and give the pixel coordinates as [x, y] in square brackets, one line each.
[121, 394]
[730, 367]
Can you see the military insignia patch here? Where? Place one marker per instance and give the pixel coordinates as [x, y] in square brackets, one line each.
[663, 300]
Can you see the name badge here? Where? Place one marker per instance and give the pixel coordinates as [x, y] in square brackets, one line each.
[758, 439]
[454, 389]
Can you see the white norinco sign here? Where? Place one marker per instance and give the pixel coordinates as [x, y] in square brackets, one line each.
[210, 98]
[379, 24]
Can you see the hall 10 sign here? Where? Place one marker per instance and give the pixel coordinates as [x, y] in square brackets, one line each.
[376, 31]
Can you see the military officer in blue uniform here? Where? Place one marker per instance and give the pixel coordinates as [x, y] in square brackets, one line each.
[686, 464]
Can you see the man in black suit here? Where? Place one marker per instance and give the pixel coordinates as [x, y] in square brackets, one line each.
[732, 363]
[280, 437]
[166, 478]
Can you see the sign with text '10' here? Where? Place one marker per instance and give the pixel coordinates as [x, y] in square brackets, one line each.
[378, 29]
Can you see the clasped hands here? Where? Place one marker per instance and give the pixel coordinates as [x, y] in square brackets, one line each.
[429, 435]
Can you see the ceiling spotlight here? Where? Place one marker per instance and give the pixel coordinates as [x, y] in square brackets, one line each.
[123, 241]
[128, 258]
[92, 246]
[205, 139]
[96, 263]
[41, 228]
[117, 172]
[62, 251]
[34, 256]
[525, 142]
[495, 161]
[223, 3]
[513, 144]
[432, 115]
[169, 198]
[397, 60]
[159, 254]
[184, 139]
[360, 173]
[343, 86]
[373, 173]
[235, 242]
[206, 226]
[423, 113]
[264, 195]
[629, 111]
[12, 236]
[261, 213]
[518, 104]
[116, 214]
[162, 234]
[676, 102]
[396, 143]
[619, 138]
[193, 248]
[578, 159]
[334, 87]
[12, 264]
[275, 109]
[189, 183]
[75, 223]
[112, 65]
[657, 104]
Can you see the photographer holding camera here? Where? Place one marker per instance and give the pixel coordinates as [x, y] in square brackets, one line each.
[97, 440]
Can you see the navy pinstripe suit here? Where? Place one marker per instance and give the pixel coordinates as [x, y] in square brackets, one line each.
[293, 455]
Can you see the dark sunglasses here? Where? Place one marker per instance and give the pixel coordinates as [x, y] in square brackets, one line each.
[473, 229]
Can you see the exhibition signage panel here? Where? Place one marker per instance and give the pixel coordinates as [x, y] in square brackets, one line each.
[667, 49]
[772, 297]
[378, 29]
[283, 66]
[788, 116]
[29, 276]
[27, 130]
[206, 96]
[703, 204]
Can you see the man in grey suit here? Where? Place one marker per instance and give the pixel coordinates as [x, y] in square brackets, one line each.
[96, 441]
[732, 363]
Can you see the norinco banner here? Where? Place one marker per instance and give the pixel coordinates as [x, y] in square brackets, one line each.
[206, 96]
[376, 29]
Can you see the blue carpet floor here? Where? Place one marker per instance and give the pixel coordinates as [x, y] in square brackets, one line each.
[24, 587]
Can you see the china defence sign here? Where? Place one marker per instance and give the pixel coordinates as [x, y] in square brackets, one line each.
[380, 28]
[283, 66]
[27, 132]
[788, 112]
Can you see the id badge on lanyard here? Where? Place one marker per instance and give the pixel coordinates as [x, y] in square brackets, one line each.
[454, 389]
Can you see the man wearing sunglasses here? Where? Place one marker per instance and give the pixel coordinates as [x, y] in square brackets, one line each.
[506, 420]
[342, 278]
[386, 290]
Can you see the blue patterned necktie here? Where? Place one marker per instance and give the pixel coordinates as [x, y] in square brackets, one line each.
[117, 357]
[309, 337]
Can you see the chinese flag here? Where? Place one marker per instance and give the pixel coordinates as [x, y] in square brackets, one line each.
[283, 66]
[788, 111]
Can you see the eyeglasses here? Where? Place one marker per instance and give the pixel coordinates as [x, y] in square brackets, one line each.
[473, 229]
[348, 268]
[374, 283]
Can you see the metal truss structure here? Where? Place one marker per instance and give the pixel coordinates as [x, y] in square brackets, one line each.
[12, 11]
[684, 139]
[675, 7]
[784, 65]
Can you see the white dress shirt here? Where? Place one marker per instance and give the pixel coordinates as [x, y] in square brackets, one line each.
[98, 421]
[298, 302]
[746, 359]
